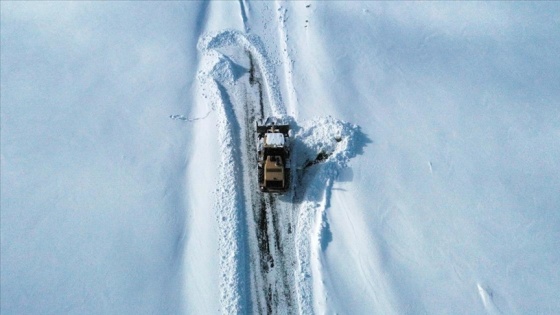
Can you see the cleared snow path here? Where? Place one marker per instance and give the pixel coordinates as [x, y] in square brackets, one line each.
[232, 56]
[267, 242]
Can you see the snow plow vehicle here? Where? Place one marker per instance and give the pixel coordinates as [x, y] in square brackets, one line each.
[273, 156]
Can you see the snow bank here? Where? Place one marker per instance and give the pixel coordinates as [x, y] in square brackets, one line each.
[228, 203]
[322, 147]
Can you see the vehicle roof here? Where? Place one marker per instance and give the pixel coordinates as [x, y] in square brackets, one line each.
[274, 139]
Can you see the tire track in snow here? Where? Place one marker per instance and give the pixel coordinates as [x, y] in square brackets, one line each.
[273, 291]
[287, 60]
[244, 17]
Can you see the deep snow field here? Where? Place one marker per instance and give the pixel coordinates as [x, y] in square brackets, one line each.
[425, 157]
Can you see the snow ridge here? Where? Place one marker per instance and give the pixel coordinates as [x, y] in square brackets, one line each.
[233, 273]
[317, 139]
[487, 296]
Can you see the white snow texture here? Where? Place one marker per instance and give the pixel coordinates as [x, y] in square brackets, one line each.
[424, 155]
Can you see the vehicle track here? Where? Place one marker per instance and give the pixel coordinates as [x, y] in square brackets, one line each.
[269, 215]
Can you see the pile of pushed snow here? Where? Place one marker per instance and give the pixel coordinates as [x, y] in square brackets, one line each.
[322, 148]
[328, 141]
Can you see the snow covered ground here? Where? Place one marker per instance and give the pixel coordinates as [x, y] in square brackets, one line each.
[426, 157]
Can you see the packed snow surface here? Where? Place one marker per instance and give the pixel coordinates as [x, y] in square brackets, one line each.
[424, 155]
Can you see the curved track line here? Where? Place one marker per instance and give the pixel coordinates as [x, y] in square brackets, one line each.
[254, 45]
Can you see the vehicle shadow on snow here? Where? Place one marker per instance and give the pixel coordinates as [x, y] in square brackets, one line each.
[321, 151]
